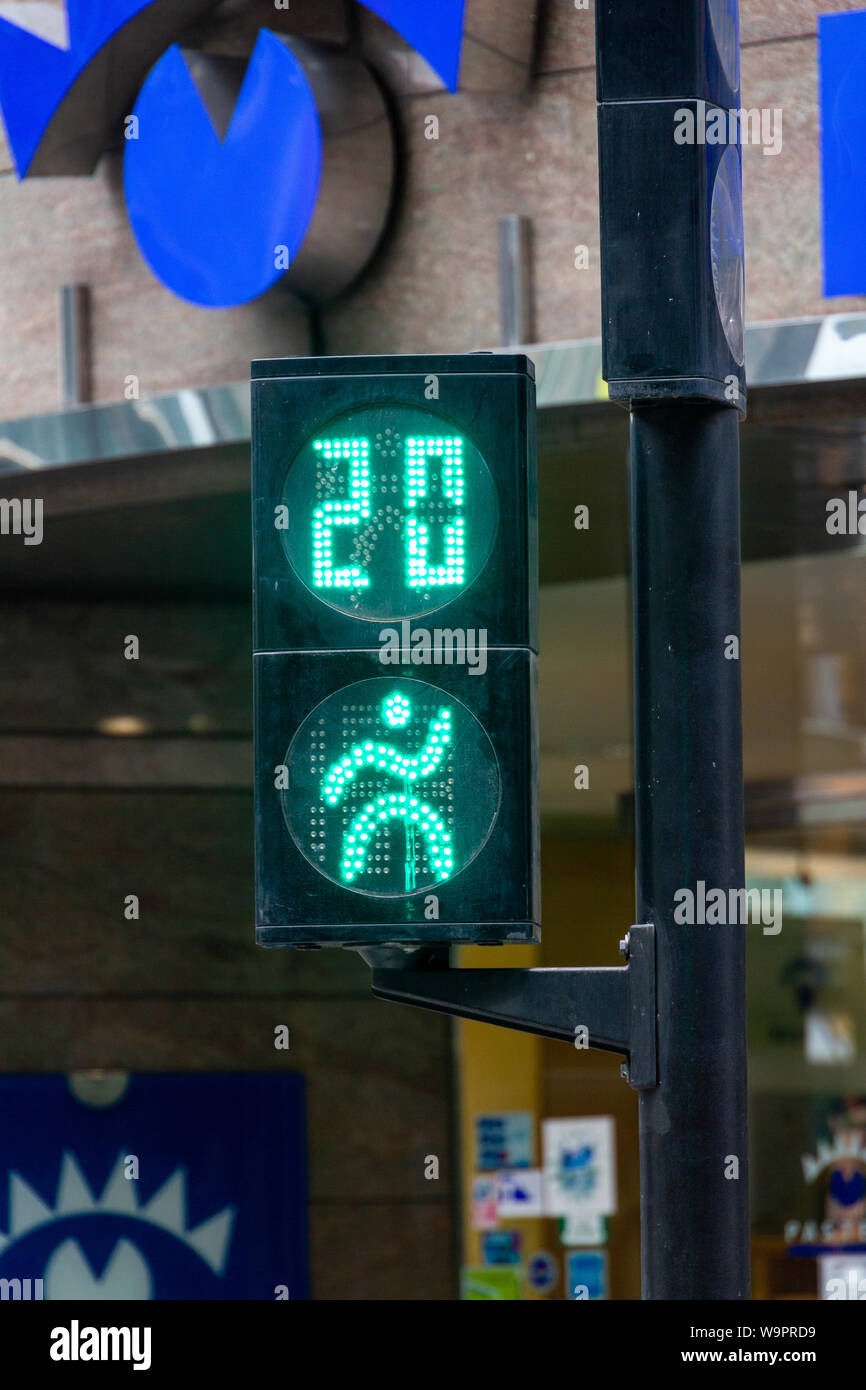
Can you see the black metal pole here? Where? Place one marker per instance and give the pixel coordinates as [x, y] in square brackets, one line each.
[689, 831]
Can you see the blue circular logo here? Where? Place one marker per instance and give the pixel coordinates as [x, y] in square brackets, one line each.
[219, 221]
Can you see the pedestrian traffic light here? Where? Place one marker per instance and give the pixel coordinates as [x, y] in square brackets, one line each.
[395, 592]
[672, 266]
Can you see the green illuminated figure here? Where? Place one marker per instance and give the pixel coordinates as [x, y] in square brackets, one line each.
[417, 816]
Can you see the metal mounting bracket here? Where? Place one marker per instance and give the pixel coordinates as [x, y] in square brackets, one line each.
[615, 1004]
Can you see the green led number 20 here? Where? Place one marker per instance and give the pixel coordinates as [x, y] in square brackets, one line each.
[389, 513]
[355, 509]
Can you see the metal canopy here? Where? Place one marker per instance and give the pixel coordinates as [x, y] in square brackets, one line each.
[151, 497]
[784, 352]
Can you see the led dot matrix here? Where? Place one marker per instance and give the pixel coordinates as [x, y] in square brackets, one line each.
[371, 758]
[414, 813]
[421, 574]
[387, 512]
[350, 511]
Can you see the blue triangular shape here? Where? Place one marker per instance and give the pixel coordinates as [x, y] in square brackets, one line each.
[35, 75]
[434, 28]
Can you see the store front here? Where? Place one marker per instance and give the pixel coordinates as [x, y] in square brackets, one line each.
[147, 507]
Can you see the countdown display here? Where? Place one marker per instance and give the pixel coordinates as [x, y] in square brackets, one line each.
[395, 666]
[387, 515]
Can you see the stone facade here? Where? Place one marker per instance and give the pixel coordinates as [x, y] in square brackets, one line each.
[519, 139]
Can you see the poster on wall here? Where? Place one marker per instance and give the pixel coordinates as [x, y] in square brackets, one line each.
[504, 1140]
[520, 1194]
[586, 1274]
[154, 1186]
[579, 1166]
[485, 1211]
[496, 1284]
[583, 1228]
[501, 1247]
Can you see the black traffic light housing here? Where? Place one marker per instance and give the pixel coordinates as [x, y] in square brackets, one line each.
[395, 590]
[671, 201]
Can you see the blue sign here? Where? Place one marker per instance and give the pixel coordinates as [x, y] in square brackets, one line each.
[218, 221]
[504, 1140]
[185, 187]
[842, 70]
[187, 1186]
[501, 1247]
[542, 1272]
[586, 1271]
[36, 75]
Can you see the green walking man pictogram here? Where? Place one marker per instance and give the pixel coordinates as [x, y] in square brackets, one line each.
[417, 816]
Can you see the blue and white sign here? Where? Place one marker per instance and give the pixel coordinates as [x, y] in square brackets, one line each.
[504, 1140]
[520, 1193]
[183, 1187]
[579, 1166]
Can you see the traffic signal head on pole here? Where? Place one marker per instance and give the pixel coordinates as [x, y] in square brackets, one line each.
[395, 545]
[672, 263]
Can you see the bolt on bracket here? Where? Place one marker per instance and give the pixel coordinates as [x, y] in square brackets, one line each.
[615, 1004]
